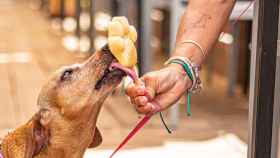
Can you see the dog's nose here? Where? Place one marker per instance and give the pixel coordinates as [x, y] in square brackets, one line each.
[106, 50]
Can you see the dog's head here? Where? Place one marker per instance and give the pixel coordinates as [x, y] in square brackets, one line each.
[69, 103]
[80, 87]
[71, 99]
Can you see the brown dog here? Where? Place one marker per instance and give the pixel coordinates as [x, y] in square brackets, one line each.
[69, 104]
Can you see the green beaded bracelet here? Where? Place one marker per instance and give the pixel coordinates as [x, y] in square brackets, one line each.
[189, 73]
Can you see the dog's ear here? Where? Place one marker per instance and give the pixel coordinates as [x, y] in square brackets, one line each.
[27, 140]
[97, 139]
[40, 131]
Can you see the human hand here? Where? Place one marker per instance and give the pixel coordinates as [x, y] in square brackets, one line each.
[159, 88]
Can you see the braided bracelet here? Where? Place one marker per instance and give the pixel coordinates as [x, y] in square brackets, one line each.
[192, 72]
[189, 74]
[193, 68]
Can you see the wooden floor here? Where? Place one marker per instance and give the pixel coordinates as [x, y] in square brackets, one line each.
[26, 31]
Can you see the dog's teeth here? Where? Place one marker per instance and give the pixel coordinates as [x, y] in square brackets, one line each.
[111, 68]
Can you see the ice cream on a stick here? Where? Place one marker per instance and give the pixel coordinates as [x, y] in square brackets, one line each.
[121, 39]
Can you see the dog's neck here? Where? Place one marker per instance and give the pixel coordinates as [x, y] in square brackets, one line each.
[68, 142]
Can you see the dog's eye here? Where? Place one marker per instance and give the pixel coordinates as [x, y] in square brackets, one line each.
[66, 74]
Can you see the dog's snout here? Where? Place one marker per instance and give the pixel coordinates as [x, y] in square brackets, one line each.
[106, 53]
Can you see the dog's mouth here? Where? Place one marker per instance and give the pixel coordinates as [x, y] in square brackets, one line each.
[113, 74]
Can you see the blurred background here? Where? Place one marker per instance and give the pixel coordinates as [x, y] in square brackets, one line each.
[39, 36]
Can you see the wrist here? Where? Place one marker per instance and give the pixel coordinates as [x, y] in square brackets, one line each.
[177, 68]
[180, 70]
[189, 51]
[191, 70]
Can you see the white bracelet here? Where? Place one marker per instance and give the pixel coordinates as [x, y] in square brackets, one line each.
[196, 44]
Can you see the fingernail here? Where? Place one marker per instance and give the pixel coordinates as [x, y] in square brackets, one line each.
[153, 108]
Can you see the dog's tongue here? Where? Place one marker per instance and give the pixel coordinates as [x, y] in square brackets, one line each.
[121, 39]
[131, 73]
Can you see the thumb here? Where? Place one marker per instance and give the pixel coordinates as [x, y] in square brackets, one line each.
[150, 83]
[170, 97]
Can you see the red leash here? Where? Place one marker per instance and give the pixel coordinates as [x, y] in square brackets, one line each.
[139, 125]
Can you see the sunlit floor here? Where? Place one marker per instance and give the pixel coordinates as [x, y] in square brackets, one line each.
[228, 146]
[30, 50]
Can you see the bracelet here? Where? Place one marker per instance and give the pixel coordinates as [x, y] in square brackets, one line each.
[189, 74]
[196, 44]
[192, 70]
[185, 67]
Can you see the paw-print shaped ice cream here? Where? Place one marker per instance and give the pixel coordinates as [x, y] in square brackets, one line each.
[121, 39]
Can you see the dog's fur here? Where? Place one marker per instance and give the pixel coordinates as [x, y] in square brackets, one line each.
[69, 104]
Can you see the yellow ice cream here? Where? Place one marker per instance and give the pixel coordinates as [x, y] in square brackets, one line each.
[121, 39]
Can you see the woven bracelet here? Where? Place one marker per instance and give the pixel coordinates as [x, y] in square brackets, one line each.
[190, 75]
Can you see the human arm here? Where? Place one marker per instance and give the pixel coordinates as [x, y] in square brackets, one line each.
[202, 22]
